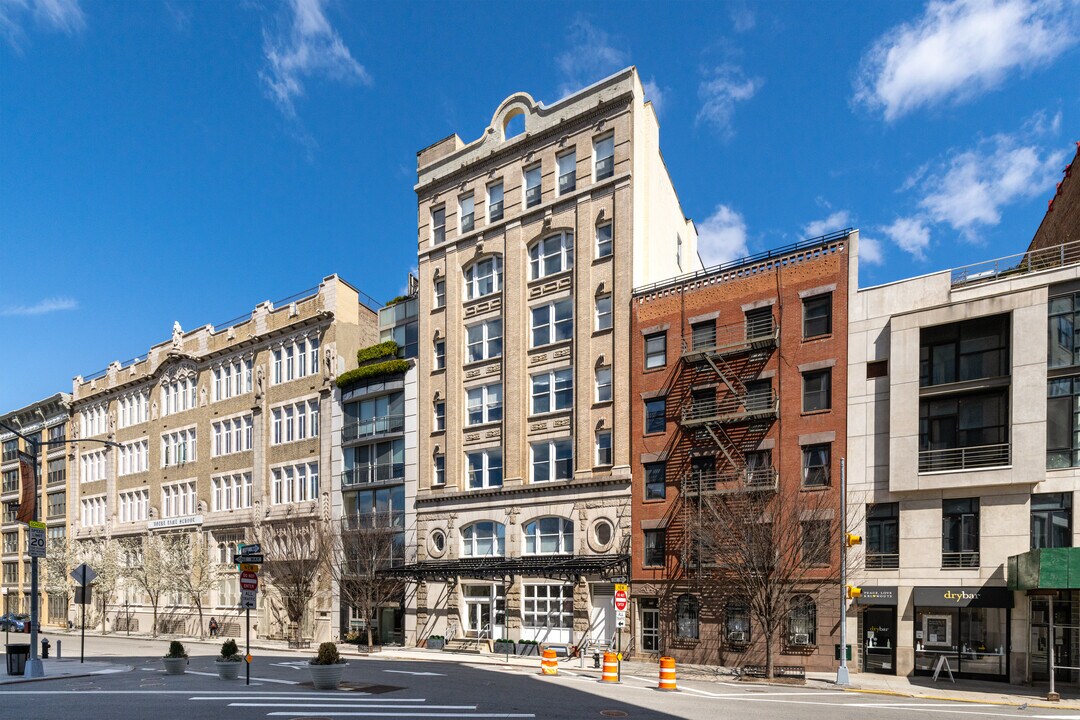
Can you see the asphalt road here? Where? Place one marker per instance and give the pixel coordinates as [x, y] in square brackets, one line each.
[380, 688]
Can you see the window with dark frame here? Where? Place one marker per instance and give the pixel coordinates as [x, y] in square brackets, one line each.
[817, 316]
[817, 460]
[687, 608]
[655, 481]
[655, 415]
[759, 322]
[653, 548]
[816, 541]
[1051, 520]
[655, 350]
[737, 623]
[960, 533]
[817, 390]
[976, 349]
[883, 536]
[802, 621]
[703, 335]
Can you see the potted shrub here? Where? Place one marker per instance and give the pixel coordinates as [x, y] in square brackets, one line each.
[436, 642]
[176, 659]
[505, 646]
[528, 647]
[326, 667]
[229, 661]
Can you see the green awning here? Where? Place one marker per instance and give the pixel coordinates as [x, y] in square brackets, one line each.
[1045, 569]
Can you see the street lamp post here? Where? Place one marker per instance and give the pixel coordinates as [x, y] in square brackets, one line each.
[34, 667]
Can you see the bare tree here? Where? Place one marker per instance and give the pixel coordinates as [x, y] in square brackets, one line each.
[365, 546]
[103, 556]
[193, 553]
[296, 552]
[773, 552]
[147, 565]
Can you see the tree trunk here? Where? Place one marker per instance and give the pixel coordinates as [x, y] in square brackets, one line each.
[769, 656]
[154, 630]
[198, 606]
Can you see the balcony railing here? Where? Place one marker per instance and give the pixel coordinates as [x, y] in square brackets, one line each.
[754, 479]
[739, 337]
[1034, 261]
[882, 561]
[953, 560]
[373, 474]
[371, 427]
[965, 458]
[759, 403]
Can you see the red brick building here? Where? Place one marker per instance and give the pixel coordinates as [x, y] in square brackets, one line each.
[738, 380]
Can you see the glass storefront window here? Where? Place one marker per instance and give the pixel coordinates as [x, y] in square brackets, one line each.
[973, 639]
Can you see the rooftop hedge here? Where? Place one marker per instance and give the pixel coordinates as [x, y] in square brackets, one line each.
[390, 367]
[376, 352]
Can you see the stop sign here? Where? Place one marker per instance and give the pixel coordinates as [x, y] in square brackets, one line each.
[620, 600]
[249, 580]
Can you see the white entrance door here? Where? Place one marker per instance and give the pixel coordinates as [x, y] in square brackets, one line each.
[602, 613]
[485, 611]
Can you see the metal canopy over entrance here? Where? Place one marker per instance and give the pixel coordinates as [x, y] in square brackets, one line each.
[557, 567]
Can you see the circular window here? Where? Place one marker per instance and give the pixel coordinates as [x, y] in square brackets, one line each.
[602, 533]
[438, 543]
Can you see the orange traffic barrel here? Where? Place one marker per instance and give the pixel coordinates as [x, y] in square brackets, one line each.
[549, 664]
[667, 674]
[611, 668]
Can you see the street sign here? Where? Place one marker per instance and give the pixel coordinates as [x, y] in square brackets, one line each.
[35, 542]
[620, 614]
[620, 600]
[247, 559]
[82, 595]
[249, 581]
[249, 568]
[247, 600]
[84, 575]
[250, 549]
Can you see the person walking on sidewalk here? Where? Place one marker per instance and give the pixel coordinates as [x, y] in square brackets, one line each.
[213, 627]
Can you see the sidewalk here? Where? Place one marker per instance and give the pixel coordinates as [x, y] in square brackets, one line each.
[65, 668]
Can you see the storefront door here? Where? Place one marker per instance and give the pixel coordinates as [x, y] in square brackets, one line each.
[650, 625]
[485, 611]
[879, 640]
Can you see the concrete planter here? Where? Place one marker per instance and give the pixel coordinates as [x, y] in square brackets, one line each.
[436, 644]
[504, 648]
[326, 677]
[228, 669]
[526, 649]
[174, 666]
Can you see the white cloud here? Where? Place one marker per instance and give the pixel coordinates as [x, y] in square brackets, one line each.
[47, 305]
[310, 48]
[870, 251]
[969, 188]
[654, 94]
[65, 16]
[836, 221]
[589, 57]
[725, 85]
[722, 237]
[960, 49]
[910, 234]
[742, 18]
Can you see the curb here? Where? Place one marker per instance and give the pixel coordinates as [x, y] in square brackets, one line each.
[127, 668]
[950, 698]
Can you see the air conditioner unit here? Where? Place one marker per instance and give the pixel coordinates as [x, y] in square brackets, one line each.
[801, 639]
[736, 637]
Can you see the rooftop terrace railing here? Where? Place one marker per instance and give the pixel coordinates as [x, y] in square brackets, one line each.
[1014, 265]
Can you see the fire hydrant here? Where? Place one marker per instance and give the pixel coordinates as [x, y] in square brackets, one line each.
[44, 648]
[596, 659]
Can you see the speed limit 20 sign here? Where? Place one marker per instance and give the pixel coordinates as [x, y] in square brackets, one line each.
[35, 541]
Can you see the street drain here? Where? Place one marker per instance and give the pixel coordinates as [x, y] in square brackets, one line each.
[613, 713]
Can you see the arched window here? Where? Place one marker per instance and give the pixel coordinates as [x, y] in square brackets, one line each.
[549, 536]
[551, 255]
[483, 539]
[483, 277]
[686, 617]
[802, 621]
[737, 622]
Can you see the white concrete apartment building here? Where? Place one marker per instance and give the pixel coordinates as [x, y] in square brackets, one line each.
[530, 241]
[221, 429]
[964, 451]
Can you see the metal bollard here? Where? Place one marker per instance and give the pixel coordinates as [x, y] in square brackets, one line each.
[58, 644]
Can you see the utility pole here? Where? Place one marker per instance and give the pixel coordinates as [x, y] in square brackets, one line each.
[842, 677]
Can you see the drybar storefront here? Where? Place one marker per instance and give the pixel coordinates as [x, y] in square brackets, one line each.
[967, 625]
[878, 605]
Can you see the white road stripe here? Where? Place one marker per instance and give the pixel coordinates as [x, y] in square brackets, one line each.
[423, 715]
[269, 680]
[343, 697]
[920, 705]
[348, 706]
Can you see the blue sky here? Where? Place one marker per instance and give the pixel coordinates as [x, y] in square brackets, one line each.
[172, 160]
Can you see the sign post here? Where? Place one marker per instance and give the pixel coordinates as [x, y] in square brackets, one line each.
[248, 561]
[83, 575]
[621, 601]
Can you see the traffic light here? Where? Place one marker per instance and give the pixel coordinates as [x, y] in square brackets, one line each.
[852, 539]
[853, 592]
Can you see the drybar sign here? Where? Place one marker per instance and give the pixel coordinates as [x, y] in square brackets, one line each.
[997, 597]
[173, 522]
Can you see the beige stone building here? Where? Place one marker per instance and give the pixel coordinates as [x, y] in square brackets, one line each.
[530, 241]
[43, 421]
[221, 428]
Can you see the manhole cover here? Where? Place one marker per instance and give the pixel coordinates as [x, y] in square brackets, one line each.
[613, 713]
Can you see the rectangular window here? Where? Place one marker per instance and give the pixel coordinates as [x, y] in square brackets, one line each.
[548, 606]
[817, 390]
[603, 312]
[817, 460]
[703, 335]
[655, 415]
[960, 533]
[484, 341]
[655, 350]
[970, 350]
[11, 481]
[653, 546]
[440, 470]
[1063, 422]
[57, 505]
[552, 391]
[553, 322]
[603, 447]
[604, 240]
[438, 225]
[551, 256]
[440, 354]
[816, 541]
[440, 416]
[484, 404]
[655, 481]
[567, 172]
[817, 316]
[949, 425]
[11, 543]
[532, 186]
[552, 460]
[603, 384]
[440, 294]
[495, 201]
[485, 468]
[759, 323]
[883, 536]
[604, 157]
[466, 207]
[294, 483]
[483, 277]
[1051, 520]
